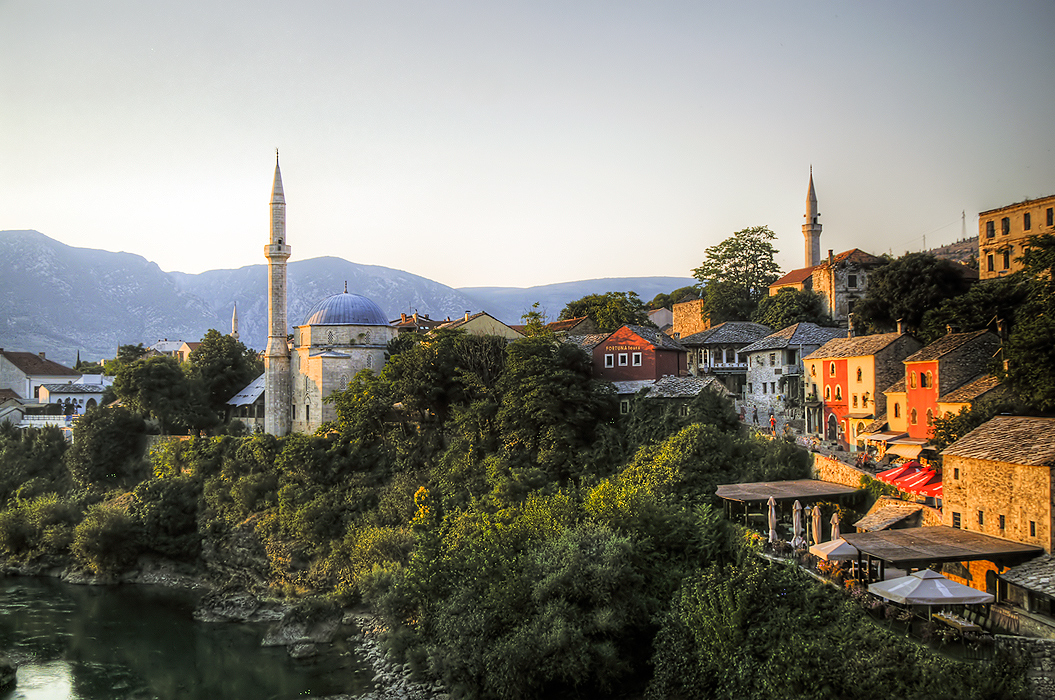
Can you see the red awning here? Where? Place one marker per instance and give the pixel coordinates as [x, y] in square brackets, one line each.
[899, 471]
[933, 490]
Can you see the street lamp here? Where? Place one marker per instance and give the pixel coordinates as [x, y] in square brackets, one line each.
[808, 511]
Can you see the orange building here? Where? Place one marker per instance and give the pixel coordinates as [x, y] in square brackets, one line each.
[1003, 233]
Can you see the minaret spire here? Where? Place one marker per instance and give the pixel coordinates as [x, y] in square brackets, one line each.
[277, 382]
[811, 229]
[234, 322]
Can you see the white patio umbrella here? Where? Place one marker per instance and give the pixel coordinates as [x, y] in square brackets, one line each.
[772, 519]
[835, 525]
[928, 587]
[796, 527]
[818, 532]
[835, 550]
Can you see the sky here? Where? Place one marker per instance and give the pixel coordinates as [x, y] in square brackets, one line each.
[518, 143]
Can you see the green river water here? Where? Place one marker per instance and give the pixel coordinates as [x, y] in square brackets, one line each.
[141, 643]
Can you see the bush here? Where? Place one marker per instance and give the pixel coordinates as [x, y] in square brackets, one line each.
[38, 526]
[106, 541]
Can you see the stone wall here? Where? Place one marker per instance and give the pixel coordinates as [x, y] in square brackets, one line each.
[828, 468]
[690, 317]
[1041, 672]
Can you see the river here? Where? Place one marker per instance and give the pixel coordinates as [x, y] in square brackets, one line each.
[141, 643]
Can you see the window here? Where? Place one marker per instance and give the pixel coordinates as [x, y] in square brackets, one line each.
[750, 388]
[683, 409]
[897, 410]
[930, 378]
[609, 360]
[912, 380]
[855, 400]
[860, 429]
[307, 413]
[831, 369]
[989, 265]
[860, 374]
[851, 281]
[864, 400]
[1027, 222]
[772, 387]
[838, 393]
[827, 393]
[636, 359]
[912, 417]
[624, 407]
[989, 232]
[293, 410]
[1051, 216]
[1033, 523]
[772, 359]
[1005, 226]
[1007, 258]
[981, 517]
[956, 473]
[765, 387]
[930, 416]
[956, 520]
[622, 359]
[1003, 522]
[813, 370]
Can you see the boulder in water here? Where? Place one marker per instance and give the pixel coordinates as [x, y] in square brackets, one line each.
[8, 673]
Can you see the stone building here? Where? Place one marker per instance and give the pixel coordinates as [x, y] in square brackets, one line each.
[689, 316]
[1004, 232]
[716, 351]
[843, 383]
[774, 369]
[636, 352]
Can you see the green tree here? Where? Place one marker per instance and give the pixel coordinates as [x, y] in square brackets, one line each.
[126, 355]
[982, 306]
[737, 272]
[1030, 347]
[222, 366]
[107, 449]
[535, 322]
[610, 310]
[667, 301]
[905, 289]
[31, 461]
[790, 306]
[156, 387]
[946, 431]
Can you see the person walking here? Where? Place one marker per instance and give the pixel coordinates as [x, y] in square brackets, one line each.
[773, 424]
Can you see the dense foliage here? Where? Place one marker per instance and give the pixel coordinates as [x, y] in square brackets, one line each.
[737, 272]
[790, 306]
[905, 289]
[609, 311]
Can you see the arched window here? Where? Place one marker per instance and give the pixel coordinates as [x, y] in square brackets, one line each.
[930, 378]
[930, 416]
[831, 369]
[827, 393]
[813, 370]
[860, 429]
[855, 400]
[912, 417]
[859, 374]
[897, 410]
[838, 393]
[864, 400]
[912, 379]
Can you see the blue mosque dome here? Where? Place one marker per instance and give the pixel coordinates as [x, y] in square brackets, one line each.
[345, 310]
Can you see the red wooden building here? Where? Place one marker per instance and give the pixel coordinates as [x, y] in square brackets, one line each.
[636, 352]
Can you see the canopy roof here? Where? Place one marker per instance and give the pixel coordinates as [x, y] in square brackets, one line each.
[921, 546]
[928, 587]
[835, 550]
[804, 489]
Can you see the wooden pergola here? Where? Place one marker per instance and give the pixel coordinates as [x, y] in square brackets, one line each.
[738, 498]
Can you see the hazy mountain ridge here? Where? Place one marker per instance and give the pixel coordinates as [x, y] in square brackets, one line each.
[60, 299]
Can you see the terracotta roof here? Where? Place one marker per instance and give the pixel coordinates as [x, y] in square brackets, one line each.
[566, 325]
[587, 342]
[943, 346]
[859, 346]
[685, 387]
[1037, 575]
[193, 345]
[31, 363]
[730, 332]
[656, 338]
[795, 277]
[1013, 439]
[972, 390]
[803, 333]
[889, 514]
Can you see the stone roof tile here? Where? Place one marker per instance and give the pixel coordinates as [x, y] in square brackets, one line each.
[972, 390]
[803, 333]
[944, 345]
[859, 346]
[730, 332]
[1025, 440]
[1037, 575]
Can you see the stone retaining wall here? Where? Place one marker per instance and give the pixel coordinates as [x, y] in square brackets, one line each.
[1041, 673]
[828, 468]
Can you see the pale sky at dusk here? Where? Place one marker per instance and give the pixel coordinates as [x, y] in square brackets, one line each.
[518, 143]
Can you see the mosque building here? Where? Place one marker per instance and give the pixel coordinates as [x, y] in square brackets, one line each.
[340, 335]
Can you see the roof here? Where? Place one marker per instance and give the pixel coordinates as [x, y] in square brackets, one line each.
[566, 325]
[31, 363]
[249, 394]
[944, 345]
[888, 515]
[192, 344]
[587, 342]
[656, 338]
[972, 390]
[795, 277]
[730, 332]
[671, 387]
[859, 346]
[166, 346]
[1022, 440]
[803, 489]
[345, 309]
[898, 386]
[854, 255]
[920, 546]
[632, 386]
[6, 394]
[74, 388]
[1037, 575]
[876, 425]
[803, 333]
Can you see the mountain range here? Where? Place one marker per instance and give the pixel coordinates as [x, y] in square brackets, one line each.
[63, 300]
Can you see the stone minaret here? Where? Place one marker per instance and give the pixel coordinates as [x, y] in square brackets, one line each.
[234, 322]
[277, 384]
[811, 230]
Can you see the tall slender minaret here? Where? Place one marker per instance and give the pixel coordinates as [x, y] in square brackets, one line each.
[277, 384]
[234, 322]
[811, 230]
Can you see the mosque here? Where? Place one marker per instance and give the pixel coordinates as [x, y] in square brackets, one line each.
[339, 336]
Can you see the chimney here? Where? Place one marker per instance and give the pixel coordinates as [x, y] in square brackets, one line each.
[948, 328]
[849, 325]
[467, 314]
[41, 355]
[831, 257]
[901, 326]
[403, 317]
